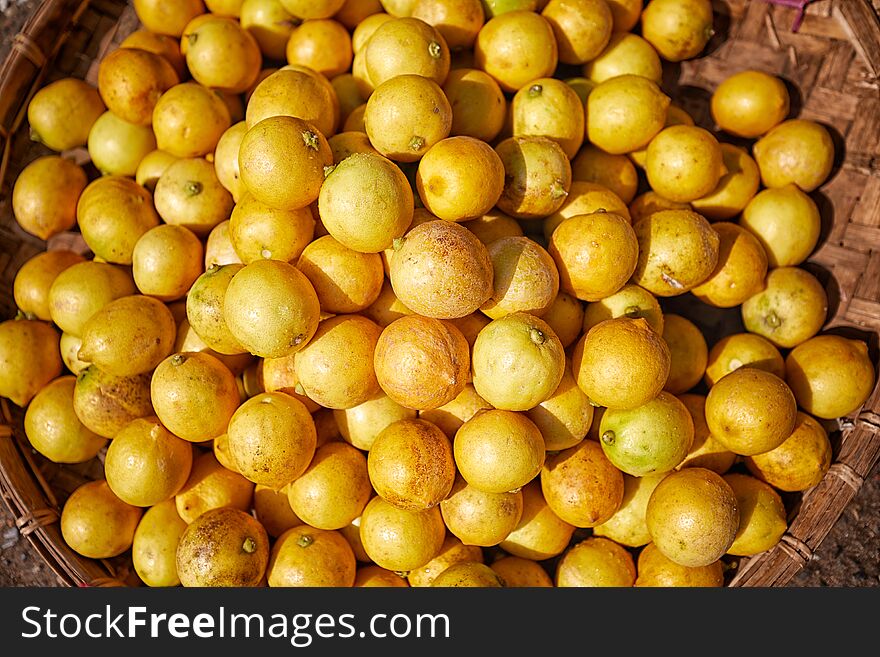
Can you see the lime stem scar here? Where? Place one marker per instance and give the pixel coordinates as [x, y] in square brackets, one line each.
[537, 335]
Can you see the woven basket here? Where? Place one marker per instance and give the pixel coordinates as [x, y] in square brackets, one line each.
[832, 64]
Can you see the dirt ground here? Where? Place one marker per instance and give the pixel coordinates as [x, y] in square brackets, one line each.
[849, 556]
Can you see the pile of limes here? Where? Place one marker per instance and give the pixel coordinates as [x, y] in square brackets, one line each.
[398, 299]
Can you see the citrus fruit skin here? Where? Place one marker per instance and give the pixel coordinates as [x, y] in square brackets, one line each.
[271, 308]
[480, 518]
[630, 301]
[515, 48]
[582, 28]
[650, 202]
[223, 547]
[621, 363]
[212, 486]
[117, 147]
[798, 463]
[596, 254]
[479, 107]
[272, 439]
[407, 115]
[787, 223]
[113, 213]
[537, 176]
[322, 45]
[762, 515]
[205, 303]
[131, 80]
[97, 524]
[189, 120]
[596, 562]
[273, 509]
[194, 395]
[146, 464]
[401, 540]
[830, 376]
[361, 424]
[154, 547]
[422, 363]
[796, 151]
[649, 439]
[105, 403]
[540, 534]
[61, 114]
[164, 18]
[693, 517]
[627, 526]
[189, 194]
[406, 46]
[624, 113]
[750, 411]
[740, 271]
[411, 466]
[750, 103]
[688, 353]
[458, 21]
[499, 451]
[468, 574]
[741, 350]
[525, 277]
[345, 280]
[310, 9]
[222, 55]
[305, 556]
[333, 490]
[269, 23]
[613, 172]
[678, 29]
[343, 341]
[357, 217]
[670, 163]
[790, 309]
[451, 552]
[29, 353]
[581, 485]
[45, 196]
[460, 178]
[159, 44]
[678, 250]
[34, 279]
[282, 161]
[517, 572]
[517, 362]
[378, 576]
[565, 417]
[166, 261]
[54, 430]
[706, 450]
[566, 317]
[549, 107]
[442, 270]
[625, 54]
[735, 188]
[129, 336]
[655, 569]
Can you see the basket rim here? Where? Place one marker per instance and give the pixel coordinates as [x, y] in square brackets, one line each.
[37, 512]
